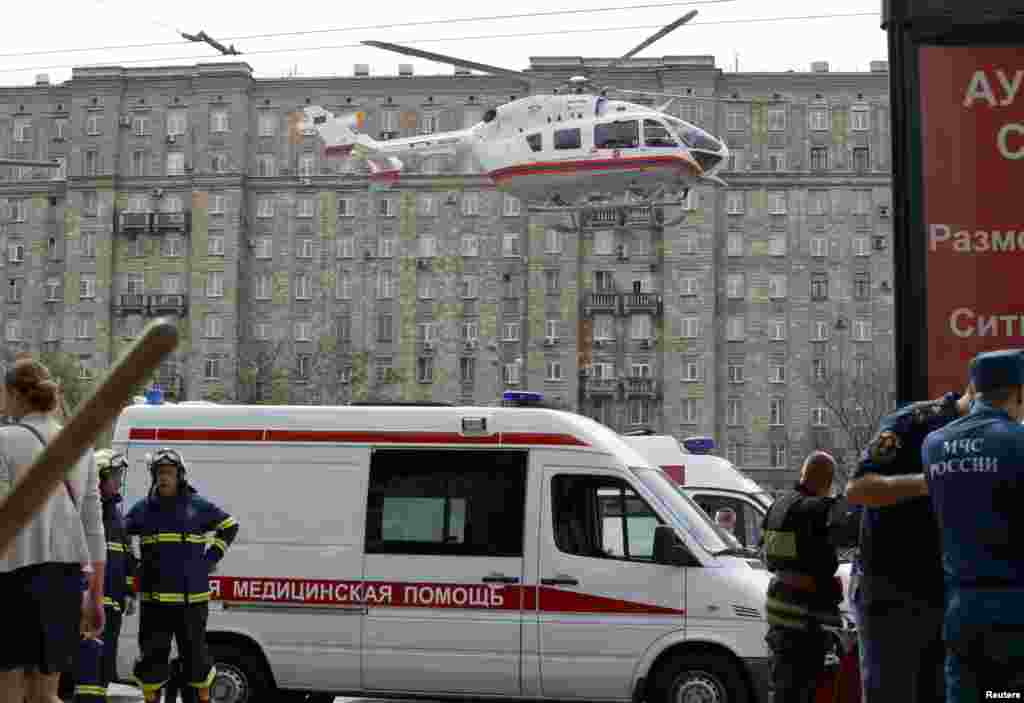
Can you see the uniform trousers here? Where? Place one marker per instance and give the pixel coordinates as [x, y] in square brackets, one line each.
[158, 623]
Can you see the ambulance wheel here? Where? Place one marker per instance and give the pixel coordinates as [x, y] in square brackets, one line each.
[241, 676]
[698, 677]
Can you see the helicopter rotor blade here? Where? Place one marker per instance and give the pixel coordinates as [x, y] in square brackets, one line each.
[452, 61]
[676, 96]
[667, 29]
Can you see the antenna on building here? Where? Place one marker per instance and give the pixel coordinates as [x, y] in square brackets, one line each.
[204, 37]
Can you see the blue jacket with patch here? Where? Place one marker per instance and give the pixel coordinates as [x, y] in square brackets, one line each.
[176, 554]
[975, 473]
[900, 552]
[118, 580]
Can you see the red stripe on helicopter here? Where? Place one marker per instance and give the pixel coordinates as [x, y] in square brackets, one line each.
[355, 437]
[388, 594]
[628, 162]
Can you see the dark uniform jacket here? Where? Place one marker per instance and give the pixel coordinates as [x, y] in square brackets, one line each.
[801, 532]
[88, 684]
[118, 580]
[175, 560]
[900, 551]
[975, 473]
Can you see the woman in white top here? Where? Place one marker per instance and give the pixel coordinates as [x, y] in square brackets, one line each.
[42, 574]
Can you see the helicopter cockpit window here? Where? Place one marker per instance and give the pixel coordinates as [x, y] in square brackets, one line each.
[657, 134]
[568, 138]
[695, 137]
[535, 142]
[617, 135]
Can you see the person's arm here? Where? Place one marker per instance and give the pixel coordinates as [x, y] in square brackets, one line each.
[224, 528]
[874, 490]
[92, 523]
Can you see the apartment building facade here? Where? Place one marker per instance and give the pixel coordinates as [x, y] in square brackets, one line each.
[190, 192]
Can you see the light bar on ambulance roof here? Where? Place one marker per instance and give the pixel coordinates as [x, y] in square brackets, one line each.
[521, 398]
[154, 396]
[699, 445]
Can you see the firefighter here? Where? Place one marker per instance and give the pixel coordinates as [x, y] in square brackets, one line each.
[802, 530]
[974, 469]
[174, 571]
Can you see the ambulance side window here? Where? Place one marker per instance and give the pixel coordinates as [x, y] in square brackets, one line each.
[568, 138]
[603, 517]
[467, 503]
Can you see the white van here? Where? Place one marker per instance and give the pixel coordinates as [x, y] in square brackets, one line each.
[455, 551]
[715, 483]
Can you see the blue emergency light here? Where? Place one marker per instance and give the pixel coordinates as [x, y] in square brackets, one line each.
[699, 445]
[521, 398]
[154, 396]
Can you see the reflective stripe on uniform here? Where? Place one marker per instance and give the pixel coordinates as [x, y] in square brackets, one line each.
[174, 538]
[220, 544]
[148, 687]
[226, 523]
[115, 547]
[207, 682]
[91, 691]
[176, 597]
[111, 603]
[785, 610]
[780, 544]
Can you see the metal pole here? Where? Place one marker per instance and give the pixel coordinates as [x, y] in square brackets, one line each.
[5, 161]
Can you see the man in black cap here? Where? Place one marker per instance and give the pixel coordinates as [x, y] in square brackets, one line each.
[974, 469]
[898, 598]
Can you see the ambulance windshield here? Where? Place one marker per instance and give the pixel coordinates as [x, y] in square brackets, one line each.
[684, 510]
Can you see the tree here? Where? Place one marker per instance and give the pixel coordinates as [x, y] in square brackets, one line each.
[261, 377]
[66, 371]
[854, 402]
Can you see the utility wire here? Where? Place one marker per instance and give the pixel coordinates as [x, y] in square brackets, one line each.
[450, 39]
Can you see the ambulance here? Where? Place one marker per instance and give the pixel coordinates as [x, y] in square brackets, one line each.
[442, 551]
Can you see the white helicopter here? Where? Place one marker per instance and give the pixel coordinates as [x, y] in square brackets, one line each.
[569, 150]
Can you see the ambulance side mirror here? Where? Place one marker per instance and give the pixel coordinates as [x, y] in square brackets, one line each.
[669, 550]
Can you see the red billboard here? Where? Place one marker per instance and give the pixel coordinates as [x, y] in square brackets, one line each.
[972, 148]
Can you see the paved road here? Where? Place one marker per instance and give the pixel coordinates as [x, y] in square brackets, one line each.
[118, 693]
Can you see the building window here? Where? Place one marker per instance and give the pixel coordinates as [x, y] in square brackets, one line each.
[138, 163]
[219, 122]
[470, 331]
[816, 200]
[262, 287]
[87, 245]
[777, 330]
[777, 246]
[862, 286]
[383, 372]
[862, 330]
[861, 159]
[264, 248]
[734, 413]
[15, 290]
[819, 369]
[215, 245]
[303, 364]
[425, 205]
[346, 247]
[52, 330]
[819, 247]
[425, 369]
[691, 371]
[92, 163]
[776, 119]
[819, 286]
[820, 331]
[860, 119]
[553, 241]
[426, 286]
[305, 207]
[211, 368]
[386, 207]
[862, 202]
[307, 166]
[215, 284]
[777, 373]
[267, 124]
[736, 329]
[734, 286]
[469, 287]
[690, 327]
[94, 125]
[87, 287]
[344, 287]
[470, 204]
[470, 245]
[13, 330]
[735, 161]
[778, 455]
[171, 284]
[265, 166]
[385, 327]
[734, 202]
[818, 119]
[819, 417]
[53, 290]
[173, 247]
[819, 159]
[265, 208]
[214, 327]
[776, 161]
[554, 369]
[510, 245]
[512, 206]
[777, 202]
[176, 164]
[385, 248]
[60, 129]
[304, 331]
[640, 327]
[603, 242]
[510, 374]
[777, 412]
[427, 246]
[218, 204]
[467, 369]
[734, 453]
[734, 245]
[140, 126]
[511, 332]
[303, 287]
[83, 327]
[861, 247]
[735, 373]
[777, 286]
[177, 121]
[385, 284]
[688, 287]
[736, 120]
[691, 411]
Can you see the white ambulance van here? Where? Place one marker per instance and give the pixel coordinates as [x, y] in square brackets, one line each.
[517, 553]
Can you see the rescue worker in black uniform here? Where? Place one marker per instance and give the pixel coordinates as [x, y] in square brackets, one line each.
[802, 531]
[174, 575]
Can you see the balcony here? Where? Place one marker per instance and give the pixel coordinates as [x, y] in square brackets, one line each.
[167, 304]
[642, 302]
[131, 303]
[170, 222]
[135, 221]
[642, 387]
[605, 301]
[601, 386]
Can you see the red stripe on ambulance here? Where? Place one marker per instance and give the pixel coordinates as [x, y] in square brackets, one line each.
[353, 437]
[383, 594]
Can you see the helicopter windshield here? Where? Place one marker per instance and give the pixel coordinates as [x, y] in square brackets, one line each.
[657, 134]
[694, 137]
